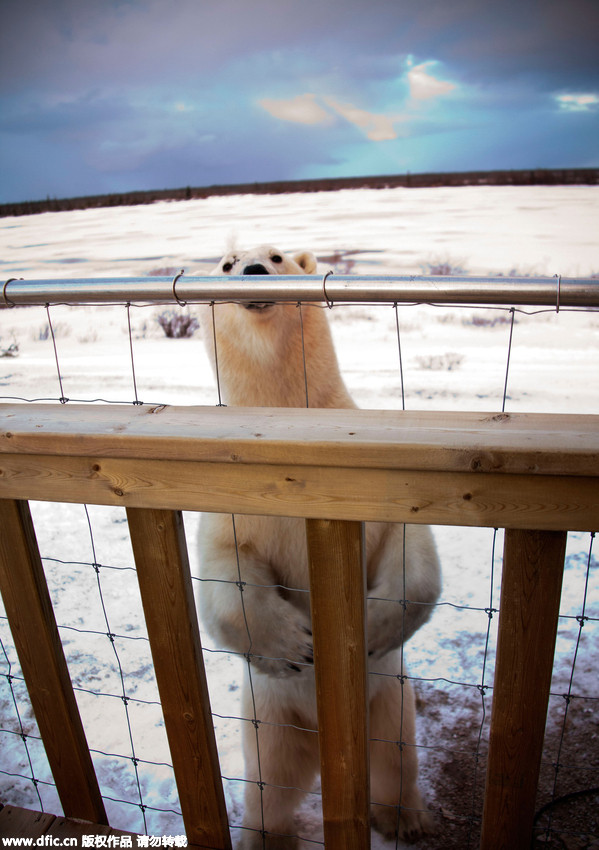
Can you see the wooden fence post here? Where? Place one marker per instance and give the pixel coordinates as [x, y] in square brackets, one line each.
[33, 626]
[530, 597]
[160, 552]
[338, 593]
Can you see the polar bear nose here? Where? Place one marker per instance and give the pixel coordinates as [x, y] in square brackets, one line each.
[256, 268]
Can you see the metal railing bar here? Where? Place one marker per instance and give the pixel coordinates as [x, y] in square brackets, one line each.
[554, 291]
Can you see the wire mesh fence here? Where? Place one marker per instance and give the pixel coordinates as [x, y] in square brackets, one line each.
[392, 356]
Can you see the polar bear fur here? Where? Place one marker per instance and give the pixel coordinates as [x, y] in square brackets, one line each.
[260, 363]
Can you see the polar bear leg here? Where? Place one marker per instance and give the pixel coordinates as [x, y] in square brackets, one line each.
[394, 768]
[278, 755]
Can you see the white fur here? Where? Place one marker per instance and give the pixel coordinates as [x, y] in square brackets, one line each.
[261, 363]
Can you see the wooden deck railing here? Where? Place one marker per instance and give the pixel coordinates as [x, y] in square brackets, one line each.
[537, 476]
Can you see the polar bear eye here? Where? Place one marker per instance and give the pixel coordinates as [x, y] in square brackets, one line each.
[276, 258]
[227, 267]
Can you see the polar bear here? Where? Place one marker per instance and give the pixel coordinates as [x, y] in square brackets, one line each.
[263, 362]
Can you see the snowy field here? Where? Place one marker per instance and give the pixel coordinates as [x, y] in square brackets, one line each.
[454, 358]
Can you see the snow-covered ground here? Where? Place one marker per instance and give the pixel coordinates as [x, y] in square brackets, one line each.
[453, 358]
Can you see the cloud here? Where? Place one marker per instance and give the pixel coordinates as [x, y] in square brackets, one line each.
[377, 127]
[309, 108]
[423, 86]
[301, 109]
[157, 92]
[305, 109]
[577, 102]
[68, 43]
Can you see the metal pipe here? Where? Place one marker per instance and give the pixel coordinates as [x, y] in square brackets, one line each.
[340, 288]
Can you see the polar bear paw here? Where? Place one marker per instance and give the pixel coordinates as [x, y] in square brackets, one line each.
[412, 824]
[292, 653]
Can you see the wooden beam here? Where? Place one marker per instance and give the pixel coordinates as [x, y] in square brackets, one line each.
[337, 593]
[528, 616]
[393, 495]
[16, 822]
[33, 626]
[512, 443]
[502, 470]
[160, 552]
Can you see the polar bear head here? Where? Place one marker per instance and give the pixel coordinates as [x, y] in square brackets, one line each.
[265, 260]
[268, 354]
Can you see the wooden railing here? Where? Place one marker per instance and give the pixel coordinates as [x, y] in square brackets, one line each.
[537, 476]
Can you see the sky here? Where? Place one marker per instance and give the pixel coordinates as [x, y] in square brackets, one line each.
[110, 96]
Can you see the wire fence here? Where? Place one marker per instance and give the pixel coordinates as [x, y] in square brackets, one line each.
[398, 353]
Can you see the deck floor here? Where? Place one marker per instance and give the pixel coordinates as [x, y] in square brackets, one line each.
[16, 822]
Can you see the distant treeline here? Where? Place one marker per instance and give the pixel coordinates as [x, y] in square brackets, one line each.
[529, 177]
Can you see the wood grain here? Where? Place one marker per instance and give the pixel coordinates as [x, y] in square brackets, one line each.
[160, 552]
[516, 443]
[33, 626]
[16, 822]
[529, 607]
[337, 593]
[337, 469]
[435, 498]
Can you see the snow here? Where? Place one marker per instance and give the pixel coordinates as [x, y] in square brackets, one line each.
[453, 358]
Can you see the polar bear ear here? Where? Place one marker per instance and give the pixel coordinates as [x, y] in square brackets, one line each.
[307, 261]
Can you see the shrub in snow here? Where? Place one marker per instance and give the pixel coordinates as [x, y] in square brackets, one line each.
[177, 325]
[11, 350]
